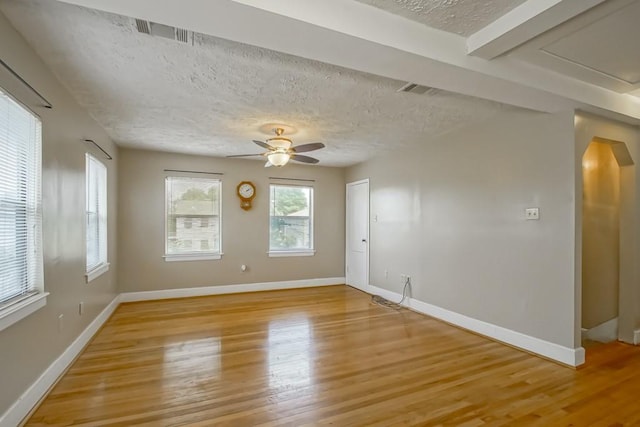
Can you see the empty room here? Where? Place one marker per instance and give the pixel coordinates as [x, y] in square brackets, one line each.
[337, 212]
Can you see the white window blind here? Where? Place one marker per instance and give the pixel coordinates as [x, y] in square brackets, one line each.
[193, 217]
[20, 202]
[291, 218]
[96, 211]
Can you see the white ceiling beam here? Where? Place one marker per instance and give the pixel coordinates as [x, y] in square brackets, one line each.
[524, 23]
[364, 38]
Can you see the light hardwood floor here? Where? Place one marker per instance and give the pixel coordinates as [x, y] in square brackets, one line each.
[325, 356]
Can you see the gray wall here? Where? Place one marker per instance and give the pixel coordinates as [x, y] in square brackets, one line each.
[451, 215]
[245, 234]
[28, 347]
[588, 127]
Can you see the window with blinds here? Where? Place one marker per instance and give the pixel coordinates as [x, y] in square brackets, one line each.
[193, 218]
[96, 212]
[20, 203]
[290, 219]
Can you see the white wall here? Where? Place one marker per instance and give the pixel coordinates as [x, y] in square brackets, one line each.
[451, 215]
[28, 347]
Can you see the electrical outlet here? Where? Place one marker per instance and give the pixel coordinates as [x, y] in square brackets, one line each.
[532, 213]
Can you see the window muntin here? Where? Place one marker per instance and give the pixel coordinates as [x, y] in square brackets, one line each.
[193, 216]
[290, 218]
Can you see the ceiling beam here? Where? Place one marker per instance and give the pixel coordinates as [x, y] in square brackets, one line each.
[364, 38]
[524, 23]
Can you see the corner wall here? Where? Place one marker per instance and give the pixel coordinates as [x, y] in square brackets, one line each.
[245, 234]
[30, 346]
[451, 214]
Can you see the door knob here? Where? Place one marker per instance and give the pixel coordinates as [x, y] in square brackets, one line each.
[364, 240]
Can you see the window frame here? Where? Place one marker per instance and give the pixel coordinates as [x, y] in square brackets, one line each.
[16, 309]
[103, 235]
[295, 252]
[199, 255]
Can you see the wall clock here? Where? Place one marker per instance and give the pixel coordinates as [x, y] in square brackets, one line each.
[246, 192]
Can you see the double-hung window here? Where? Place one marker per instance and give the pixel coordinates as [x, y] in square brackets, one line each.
[193, 218]
[21, 279]
[290, 220]
[96, 218]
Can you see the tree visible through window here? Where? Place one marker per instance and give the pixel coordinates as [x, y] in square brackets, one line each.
[193, 216]
[291, 227]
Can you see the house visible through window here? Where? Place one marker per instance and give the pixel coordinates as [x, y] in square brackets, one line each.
[20, 209]
[96, 221]
[291, 220]
[192, 218]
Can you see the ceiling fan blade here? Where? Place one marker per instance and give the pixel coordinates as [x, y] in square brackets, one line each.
[304, 159]
[246, 155]
[263, 144]
[307, 147]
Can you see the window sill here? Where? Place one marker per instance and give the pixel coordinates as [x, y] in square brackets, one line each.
[97, 272]
[278, 254]
[192, 257]
[20, 310]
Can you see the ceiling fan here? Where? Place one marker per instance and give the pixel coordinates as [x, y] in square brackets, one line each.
[281, 150]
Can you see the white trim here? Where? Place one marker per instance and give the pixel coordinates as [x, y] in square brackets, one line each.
[30, 398]
[277, 254]
[362, 181]
[18, 311]
[97, 272]
[636, 337]
[604, 332]
[192, 257]
[565, 355]
[228, 289]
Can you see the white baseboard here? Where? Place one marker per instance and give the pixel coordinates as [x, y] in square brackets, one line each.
[30, 398]
[604, 332]
[228, 289]
[636, 337]
[565, 355]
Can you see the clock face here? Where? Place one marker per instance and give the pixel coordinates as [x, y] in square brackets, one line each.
[246, 191]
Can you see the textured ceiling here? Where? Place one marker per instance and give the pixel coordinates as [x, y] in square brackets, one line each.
[463, 17]
[212, 97]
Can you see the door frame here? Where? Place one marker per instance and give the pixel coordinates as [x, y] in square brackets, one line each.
[368, 223]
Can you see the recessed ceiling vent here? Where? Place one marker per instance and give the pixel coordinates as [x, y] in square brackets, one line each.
[164, 31]
[417, 89]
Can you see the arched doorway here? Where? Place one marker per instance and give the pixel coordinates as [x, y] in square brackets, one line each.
[607, 224]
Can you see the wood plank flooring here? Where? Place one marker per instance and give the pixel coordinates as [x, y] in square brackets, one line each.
[325, 356]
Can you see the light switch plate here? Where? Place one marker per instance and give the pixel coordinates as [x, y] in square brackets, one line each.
[532, 213]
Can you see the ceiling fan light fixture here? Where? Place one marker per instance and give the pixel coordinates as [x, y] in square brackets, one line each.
[278, 158]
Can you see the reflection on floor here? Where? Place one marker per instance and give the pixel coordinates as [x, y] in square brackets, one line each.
[325, 356]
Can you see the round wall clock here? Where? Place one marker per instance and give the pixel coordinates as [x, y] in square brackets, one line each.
[246, 192]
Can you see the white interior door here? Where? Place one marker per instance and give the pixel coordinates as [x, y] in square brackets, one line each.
[357, 239]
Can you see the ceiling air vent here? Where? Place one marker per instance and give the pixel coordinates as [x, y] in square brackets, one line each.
[143, 26]
[164, 31]
[416, 88]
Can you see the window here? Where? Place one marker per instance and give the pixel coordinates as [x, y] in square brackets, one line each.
[290, 220]
[96, 221]
[190, 204]
[20, 212]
